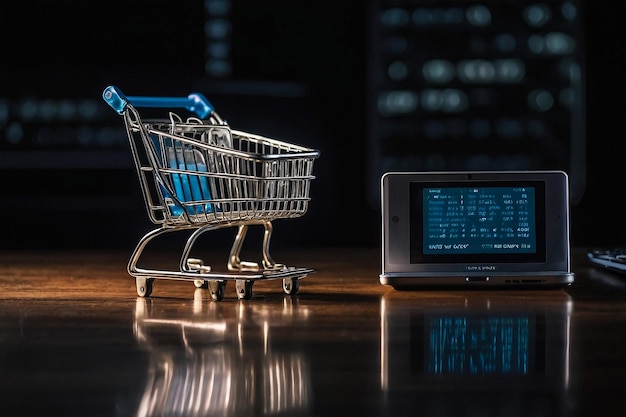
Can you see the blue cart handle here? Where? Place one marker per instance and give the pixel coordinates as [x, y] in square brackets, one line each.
[194, 102]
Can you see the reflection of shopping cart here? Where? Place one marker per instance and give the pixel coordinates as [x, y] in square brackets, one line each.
[199, 175]
[217, 360]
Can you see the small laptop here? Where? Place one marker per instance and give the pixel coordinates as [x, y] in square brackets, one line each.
[475, 229]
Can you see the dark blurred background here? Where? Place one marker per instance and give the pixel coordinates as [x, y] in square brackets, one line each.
[374, 85]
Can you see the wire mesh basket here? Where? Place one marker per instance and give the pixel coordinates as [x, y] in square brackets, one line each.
[198, 174]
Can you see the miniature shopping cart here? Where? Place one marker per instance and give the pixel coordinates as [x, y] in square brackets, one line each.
[199, 175]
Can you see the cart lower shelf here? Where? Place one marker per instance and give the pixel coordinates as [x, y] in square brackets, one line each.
[216, 281]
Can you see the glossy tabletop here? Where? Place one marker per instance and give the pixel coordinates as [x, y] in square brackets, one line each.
[77, 340]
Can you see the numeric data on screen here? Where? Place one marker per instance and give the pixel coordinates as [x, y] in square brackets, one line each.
[467, 220]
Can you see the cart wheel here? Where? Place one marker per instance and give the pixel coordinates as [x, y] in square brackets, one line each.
[200, 283]
[291, 285]
[244, 289]
[218, 289]
[144, 286]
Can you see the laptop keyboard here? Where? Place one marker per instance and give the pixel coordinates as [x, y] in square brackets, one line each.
[613, 258]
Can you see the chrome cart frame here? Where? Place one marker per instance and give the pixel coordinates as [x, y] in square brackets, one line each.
[200, 175]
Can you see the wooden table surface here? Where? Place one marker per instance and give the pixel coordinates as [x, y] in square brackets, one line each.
[76, 340]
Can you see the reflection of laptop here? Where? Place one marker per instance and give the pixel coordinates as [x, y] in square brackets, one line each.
[469, 229]
[475, 353]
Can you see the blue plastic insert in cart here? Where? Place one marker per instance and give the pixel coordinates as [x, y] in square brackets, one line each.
[187, 187]
[197, 175]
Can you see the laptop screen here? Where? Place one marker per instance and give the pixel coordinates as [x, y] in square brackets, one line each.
[483, 222]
